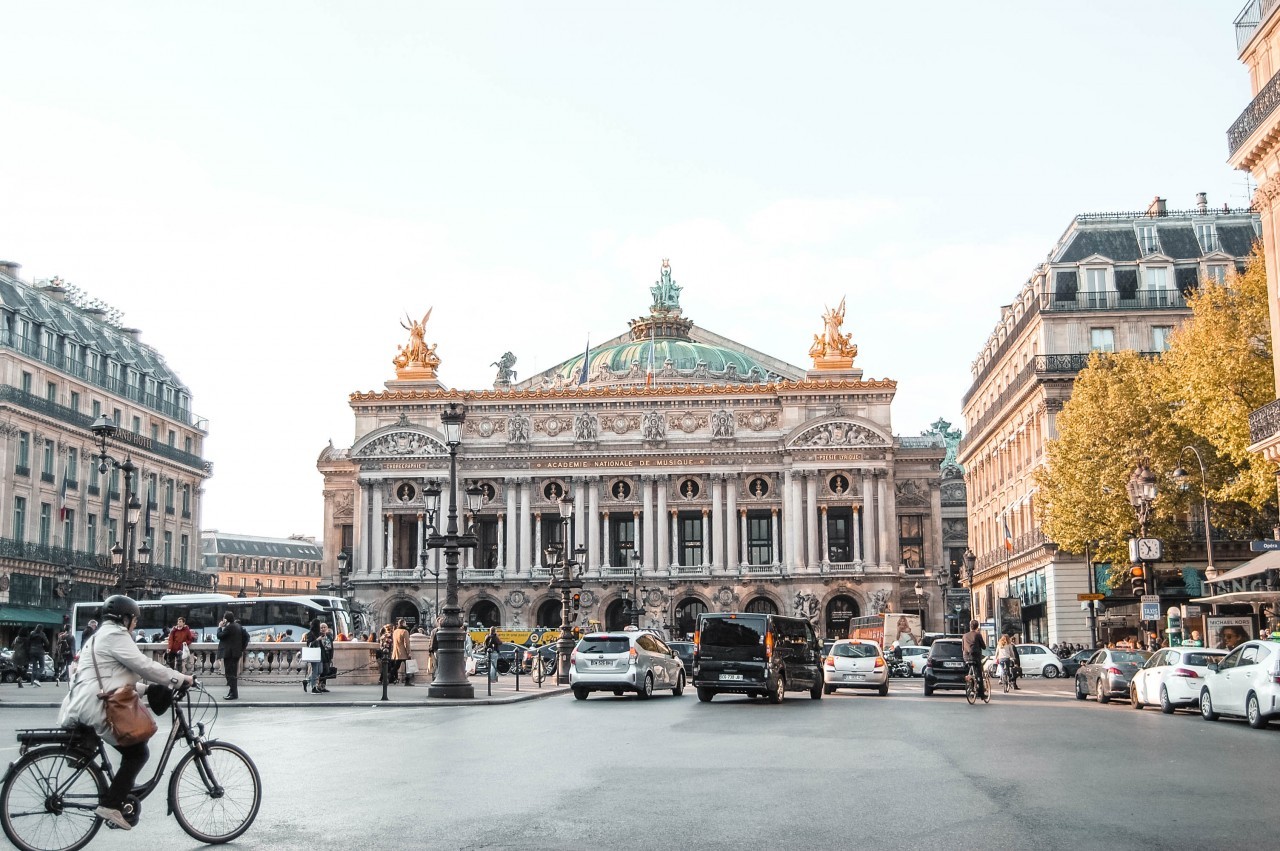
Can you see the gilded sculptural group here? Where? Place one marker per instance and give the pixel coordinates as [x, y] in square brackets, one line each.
[833, 349]
[416, 360]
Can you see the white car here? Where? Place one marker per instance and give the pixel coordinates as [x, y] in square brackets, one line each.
[1246, 682]
[1039, 661]
[915, 656]
[1172, 677]
[855, 663]
[631, 660]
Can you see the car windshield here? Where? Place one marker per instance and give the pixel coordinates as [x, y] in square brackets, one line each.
[1202, 659]
[855, 651]
[683, 649]
[732, 632]
[946, 650]
[1120, 657]
[604, 644]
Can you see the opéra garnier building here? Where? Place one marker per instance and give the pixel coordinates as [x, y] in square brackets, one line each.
[705, 476]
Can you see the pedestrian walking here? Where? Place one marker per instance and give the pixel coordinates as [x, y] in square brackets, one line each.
[64, 650]
[432, 647]
[324, 641]
[89, 629]
[232, 640]
[20, 659]
[399, 648]
[37, 647]
[180, 638]
[385, 642]
[492, 644]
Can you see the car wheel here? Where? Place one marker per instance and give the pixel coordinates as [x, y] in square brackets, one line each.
[1253, 712]
[815, 691]
[779, 691]
[828, 689]
[1051, 672]
[1133, 697]
[884, 689]
[8, 677]
[679, 689]
[1206, 706]
[928, 690]
[705, 694]
[1103, 695]
[1166, 706]
[580, 693]
[1080, 692]
[646, 688]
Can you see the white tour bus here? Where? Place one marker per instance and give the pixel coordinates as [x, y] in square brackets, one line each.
[259, 615]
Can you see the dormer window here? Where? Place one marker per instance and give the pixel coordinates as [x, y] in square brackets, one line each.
[1147, 240]
[1095, 287]
[1207, 234]
[1217, 272]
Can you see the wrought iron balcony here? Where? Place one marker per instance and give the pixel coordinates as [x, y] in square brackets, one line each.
[1258, 111]
[1111, 300]
[1264, 422]
[1250, 18]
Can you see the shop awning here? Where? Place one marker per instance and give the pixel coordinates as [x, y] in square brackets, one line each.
[24, 616]
[1240, 597]
[1252, 567]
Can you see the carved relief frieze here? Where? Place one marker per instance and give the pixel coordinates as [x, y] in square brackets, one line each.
[839, 434]
[343, 504]
[518, 429]
[911, 492]
[402, 444]
[551, 426]
[687, 422]
[758, 420]
[954, 530]
[486, 427]
[620, 423]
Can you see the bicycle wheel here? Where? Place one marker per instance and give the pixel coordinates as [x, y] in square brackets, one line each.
[215, 795]
[48, 801]
[970, 690]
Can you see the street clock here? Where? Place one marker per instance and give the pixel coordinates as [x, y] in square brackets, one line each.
[1145, 549]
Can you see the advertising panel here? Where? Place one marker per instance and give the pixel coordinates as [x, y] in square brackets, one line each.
[1227, 631]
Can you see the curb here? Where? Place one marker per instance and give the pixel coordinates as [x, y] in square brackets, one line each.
[423, 703]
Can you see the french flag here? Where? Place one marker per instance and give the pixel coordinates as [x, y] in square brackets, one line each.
[1008, 537]
[62, 500]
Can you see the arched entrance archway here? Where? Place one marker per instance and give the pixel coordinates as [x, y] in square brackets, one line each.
[687, 616]
[762, 606]
[549, 614]
[484, 614]
[840, 610]
[616, 615]
[407, 610]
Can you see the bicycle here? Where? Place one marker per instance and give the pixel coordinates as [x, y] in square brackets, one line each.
[49, 794]
[1007, 676]
[971, 689]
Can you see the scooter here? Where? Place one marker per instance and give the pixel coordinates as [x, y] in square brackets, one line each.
[898, 667]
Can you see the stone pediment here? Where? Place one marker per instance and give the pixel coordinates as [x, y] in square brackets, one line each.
[400, 442]
[837, 432]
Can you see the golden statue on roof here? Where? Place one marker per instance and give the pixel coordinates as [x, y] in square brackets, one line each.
[832, 348]
[416, 360]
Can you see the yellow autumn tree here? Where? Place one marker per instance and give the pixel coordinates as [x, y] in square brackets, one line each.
[1116, 419]
[1218, 369]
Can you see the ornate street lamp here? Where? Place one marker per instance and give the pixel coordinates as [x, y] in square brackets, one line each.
[451, 674]
[1142, 494]
[431, 495]
[634, 601]
[131, 580]
[561, 557]
[1180, 476]
[969, 561]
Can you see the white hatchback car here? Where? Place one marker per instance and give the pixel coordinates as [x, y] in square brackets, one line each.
[1172, 677]
[635, 661]
[915, 656]
[1246, 682]
[1039, 661]
[855, 663]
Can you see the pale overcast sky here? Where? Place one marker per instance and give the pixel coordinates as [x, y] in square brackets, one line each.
[265, 189]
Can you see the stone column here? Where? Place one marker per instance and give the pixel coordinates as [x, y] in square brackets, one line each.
[420, 548]
[360, 533]
[502, 542]
[934, 550]
[525, 556]
[389, 540]
[856, 555]
[606, 558]
[578, 525]
[822, 534]
[773, 521]
[376, 529]
[674, 522]
[869, 517]
[731, 559]
[717, 523]
[663, 529]
[591, 534]
[788, 519]
[811, 520]
[650, 557]
[512, 564]
[745, 555]
[537, 538]
[706, 543]
[887, 521]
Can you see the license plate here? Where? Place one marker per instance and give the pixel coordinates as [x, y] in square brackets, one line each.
[731, 676]
[855, 676]
[953, 664]
[600, 662]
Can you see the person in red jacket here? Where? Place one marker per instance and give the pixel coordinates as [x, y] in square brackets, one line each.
[180, 636]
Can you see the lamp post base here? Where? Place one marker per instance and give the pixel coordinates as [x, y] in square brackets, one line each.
[459, 691]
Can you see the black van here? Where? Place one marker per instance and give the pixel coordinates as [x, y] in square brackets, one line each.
[756, 654]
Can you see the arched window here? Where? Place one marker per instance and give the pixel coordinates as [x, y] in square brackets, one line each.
[484, 614]
[687, 616]
[762, 606]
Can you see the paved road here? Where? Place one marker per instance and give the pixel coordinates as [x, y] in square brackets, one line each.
[1035, 768]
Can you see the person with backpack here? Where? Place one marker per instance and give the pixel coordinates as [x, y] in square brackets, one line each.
[232, 641]
[20, 658]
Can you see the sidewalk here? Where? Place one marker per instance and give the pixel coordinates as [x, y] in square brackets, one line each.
[50, 695]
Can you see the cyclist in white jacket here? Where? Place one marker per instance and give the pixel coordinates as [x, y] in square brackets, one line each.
[119, 663]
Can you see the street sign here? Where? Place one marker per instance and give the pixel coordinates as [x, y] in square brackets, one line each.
[1084, 598]
[1150, 598]
[1264, 546]
[1191, 611]
[1151, 611]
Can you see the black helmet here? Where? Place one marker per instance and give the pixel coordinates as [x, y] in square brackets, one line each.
[118, 607]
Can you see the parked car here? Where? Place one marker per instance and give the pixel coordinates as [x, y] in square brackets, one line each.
[9, 671]
[757, 655]
[1039, 661]
[685, 650]
[855, 663]
[624, 661]
[945, 668]
[1073, 662]
[915, 656]
[1108, 673]
[1246, 683]
[1172, 677]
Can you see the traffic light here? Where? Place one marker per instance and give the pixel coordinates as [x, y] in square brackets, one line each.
[577, 602]
[1138, 578]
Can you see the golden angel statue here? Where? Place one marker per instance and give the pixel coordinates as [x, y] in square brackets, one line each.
[832, 344]
[416, 355]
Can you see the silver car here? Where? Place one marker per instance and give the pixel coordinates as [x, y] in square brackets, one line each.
[630, 660]
[855, 663]
[1108, 673]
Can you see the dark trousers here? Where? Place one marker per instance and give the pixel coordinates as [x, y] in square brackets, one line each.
[975, 671]
[231, 666]
[132, 758]
[393, 673]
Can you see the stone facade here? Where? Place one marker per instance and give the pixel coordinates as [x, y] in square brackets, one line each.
[739, 481]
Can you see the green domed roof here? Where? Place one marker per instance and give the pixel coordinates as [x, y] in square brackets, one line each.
[686, 357]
